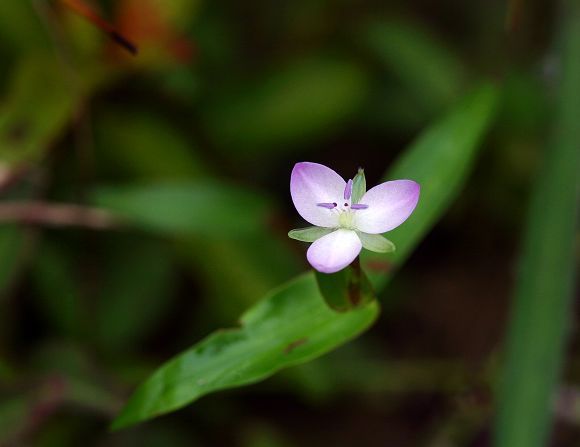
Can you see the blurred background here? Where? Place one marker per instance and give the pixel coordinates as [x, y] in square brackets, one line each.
[221, 100]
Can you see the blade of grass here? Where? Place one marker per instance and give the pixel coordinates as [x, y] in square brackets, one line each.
[540, 323]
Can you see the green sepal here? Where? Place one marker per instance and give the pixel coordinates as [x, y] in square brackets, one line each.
[359, 186]
[376, 243]
[309, 234]
[347, 289]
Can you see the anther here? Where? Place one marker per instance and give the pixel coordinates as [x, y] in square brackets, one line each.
[359, 206]
[327, 205]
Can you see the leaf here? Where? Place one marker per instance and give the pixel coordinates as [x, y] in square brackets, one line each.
[309, 234]
[440, 161]
[146, 145]
[26, 132]
[57, 288]
[11, 244]
[541, 315]
[290, 326]
[421, 62]
[346, 289]
[376, 242]
[202, 207]
[296, 104]
[136, 290]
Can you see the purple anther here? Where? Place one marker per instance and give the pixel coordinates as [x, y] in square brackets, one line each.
[359, 206]
[327, 205]
[348, 190]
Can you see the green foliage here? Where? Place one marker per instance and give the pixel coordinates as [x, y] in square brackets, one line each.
[299, 103]
[440, 161]
[290, 326]
[145, 145]
[342, 291]
[26, 132]
[139, 274]
[540, 322]
[11, 245]
[57, 286]
[203, 207]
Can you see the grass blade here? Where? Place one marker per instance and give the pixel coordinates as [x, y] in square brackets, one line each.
[540, 321]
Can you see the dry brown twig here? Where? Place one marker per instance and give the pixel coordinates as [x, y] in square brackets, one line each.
[57, 215]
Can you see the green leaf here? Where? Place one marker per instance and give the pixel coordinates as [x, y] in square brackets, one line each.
[347, 289]
[11, 244]
[309, 234]
[421, 62]
[146, 145]
[57, 287]
[440, 161]
[297, 104]
[137, 274]
[541, 316]
[201, 207]
[359, 186]
[376, 242]
[26, 131]
[290, 326]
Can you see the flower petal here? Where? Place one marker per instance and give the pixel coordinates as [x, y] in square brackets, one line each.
[334, 251]
[390, 204]
[311, 184]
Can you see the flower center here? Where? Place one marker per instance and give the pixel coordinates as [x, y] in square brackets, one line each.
[346, 213]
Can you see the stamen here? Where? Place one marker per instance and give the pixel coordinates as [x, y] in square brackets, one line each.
[348, 190]
[359, 206]
[328, 206]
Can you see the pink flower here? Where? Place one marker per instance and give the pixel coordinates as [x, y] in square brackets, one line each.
[345, 215]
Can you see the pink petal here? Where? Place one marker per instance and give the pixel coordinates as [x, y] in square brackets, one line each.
[334, 251]
[389, 205]
[313, 183]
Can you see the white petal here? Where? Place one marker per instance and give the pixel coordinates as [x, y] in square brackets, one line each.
[334, 251]
[389, 205]
[313, 183]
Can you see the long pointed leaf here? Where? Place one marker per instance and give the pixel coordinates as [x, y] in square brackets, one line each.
[540, 321]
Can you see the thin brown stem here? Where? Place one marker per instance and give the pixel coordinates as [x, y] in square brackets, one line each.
[58, 215]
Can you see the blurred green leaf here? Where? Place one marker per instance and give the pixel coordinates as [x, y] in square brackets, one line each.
[540, 322]
[38, 106]
[136, 288]
[11, 244]
[201, 208]
[290, 326]
[21, 29]
[13, 412]
[424, 65]
[440, 161]
[237, 272]
[57, 287]
[297, 104]
[146, 145]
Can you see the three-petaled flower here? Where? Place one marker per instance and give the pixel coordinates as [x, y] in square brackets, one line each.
[345, 215]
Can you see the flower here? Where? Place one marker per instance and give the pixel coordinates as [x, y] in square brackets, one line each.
[345, 215]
